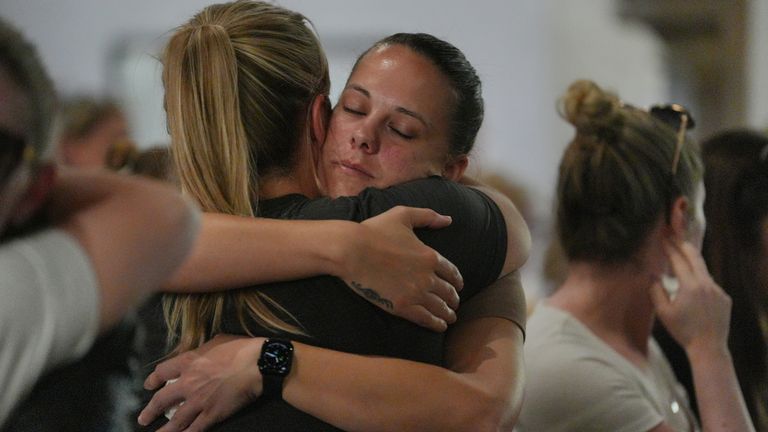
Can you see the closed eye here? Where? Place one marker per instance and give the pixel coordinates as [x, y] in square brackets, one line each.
[401, 134]
[353, 111]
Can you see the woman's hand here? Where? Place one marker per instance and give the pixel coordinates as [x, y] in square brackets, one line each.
[210, 383]
[390, 267]
[698, 314]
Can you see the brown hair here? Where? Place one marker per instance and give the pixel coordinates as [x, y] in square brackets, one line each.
[22, 62]
[239, 78]
[616, 176]
[80, 115]
[736, 208]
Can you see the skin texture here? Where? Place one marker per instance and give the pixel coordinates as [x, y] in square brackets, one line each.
[386, 130]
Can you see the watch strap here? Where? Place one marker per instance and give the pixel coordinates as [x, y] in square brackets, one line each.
[272, 386]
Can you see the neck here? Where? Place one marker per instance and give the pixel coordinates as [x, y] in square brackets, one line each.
[277, 186]
[614, 302]
[300, 179]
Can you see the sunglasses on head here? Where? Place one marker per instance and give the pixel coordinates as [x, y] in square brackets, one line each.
[678, 117]
[14, 150]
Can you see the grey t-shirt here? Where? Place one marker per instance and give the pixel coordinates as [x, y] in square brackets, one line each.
[577, 382]
[49, 312]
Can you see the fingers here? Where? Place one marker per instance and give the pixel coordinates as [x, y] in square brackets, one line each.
[161, 401]
[165, 371]
[659, 298]
[681, 267]
[421, 316]
[450, 274]
[695, 260]
[201, 423]
[424, 218]
[440, 315]
[182, 419]
[439, 308]
[446, 293]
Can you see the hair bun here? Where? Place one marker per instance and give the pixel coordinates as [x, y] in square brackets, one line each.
[591, 110]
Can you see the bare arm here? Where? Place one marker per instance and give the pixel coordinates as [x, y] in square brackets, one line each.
[136, 232]
[698, 318]
[518, 235]
[481, 391]
[234, 251]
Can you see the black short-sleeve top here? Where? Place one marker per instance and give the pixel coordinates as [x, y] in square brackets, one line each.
[335, 317]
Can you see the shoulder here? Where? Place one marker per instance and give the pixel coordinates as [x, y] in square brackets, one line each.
[434, 192]
[441, 195]
[503, 298]
[49, 275]
[43, 258]
[50, 308]
[571, 374]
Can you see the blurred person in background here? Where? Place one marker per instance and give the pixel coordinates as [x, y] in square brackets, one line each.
[736, 252]
[77, 250]
[630, 219]
[94, 134]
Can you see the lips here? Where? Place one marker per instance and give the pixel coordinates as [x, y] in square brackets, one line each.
[353, 168]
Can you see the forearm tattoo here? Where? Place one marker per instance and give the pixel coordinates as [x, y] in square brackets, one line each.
[372, 296]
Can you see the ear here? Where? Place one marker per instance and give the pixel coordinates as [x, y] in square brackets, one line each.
[320, 115]
[678, 218]
[454, 169]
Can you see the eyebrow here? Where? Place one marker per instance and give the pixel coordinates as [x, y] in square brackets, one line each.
[399, 109]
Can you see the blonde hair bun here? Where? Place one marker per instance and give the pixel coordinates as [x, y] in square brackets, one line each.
[589, 108]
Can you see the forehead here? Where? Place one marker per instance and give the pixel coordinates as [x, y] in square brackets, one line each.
[14, 105]
[401, 76]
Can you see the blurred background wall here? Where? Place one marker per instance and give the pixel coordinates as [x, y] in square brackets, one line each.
[711, 55]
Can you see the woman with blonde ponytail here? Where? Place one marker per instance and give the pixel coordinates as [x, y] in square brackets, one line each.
[354, 364]
[630, 221]
[217, 99]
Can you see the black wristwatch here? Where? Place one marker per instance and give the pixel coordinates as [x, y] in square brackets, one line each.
[275, 364]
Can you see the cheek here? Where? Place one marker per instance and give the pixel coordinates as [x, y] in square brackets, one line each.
[402, 164]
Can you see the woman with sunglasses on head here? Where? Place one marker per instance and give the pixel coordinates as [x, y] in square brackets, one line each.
[384, 132]
[630, 220]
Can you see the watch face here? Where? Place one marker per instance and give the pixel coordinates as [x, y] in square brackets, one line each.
[276, 357]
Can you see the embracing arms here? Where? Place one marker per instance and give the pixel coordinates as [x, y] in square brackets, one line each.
[480, 390]
[135, 232]
[234, 251]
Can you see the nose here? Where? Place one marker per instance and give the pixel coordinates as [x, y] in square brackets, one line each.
[365, 139]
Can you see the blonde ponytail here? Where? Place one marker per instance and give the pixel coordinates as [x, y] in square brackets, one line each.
[239, 78]
[209, 143]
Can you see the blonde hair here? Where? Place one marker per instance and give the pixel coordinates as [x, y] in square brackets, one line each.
[616, 176]
[239, 78]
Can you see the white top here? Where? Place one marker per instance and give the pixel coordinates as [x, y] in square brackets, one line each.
[577, 382]
[49, 310]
